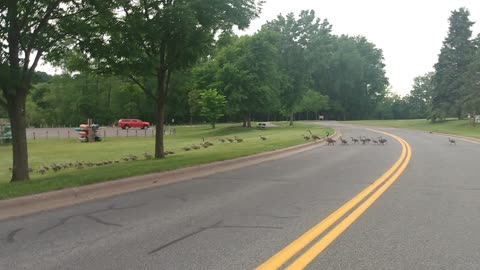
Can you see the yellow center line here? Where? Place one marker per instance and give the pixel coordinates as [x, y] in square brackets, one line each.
[307, 257]
[300, 243]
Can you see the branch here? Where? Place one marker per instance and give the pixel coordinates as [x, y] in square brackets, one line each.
[43, 23]
[148, 93]
[3, 102]
[35, 61]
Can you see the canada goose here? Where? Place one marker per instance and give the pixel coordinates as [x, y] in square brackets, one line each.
[230, 140]
[354, 140]
[169, 152]
[314, 137]
[262, 138]
[330, 141]
[382, 141]
[238, 139]
[374, 141]
[452, 141]
[205, 144]
[187, 148]
[306, 138]
[42, 171]
[195, 147]
[344, 142]
[221, 140]
[147, 155]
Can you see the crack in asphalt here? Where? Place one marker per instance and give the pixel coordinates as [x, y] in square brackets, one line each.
[89, 215]
[214, 226]
[11, 236]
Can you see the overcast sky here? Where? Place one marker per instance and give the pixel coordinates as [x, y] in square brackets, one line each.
[410, 32]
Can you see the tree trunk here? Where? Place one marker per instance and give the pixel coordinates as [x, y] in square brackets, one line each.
[16, 112]
[213, 125]
[162, 88]
[291, 118]
[245, 120]
[474, 119]
[249, 120]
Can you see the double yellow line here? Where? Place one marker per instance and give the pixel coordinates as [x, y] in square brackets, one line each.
[368, 196]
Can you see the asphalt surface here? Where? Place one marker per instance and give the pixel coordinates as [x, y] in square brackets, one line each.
[428, 219]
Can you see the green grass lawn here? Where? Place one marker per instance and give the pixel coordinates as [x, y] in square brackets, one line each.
[454, 127]
[46, 152]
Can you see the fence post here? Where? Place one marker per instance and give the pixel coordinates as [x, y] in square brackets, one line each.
[145, 133]
[68, 134]
[104, 134]
[58, 133]
[117, 132]
[34, 135]
[47, 134]
[136, 133]
[127, 132]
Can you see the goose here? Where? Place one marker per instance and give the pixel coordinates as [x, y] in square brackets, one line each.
[452, 141]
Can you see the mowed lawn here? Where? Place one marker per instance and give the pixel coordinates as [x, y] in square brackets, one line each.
[63, 151]
[454, 127]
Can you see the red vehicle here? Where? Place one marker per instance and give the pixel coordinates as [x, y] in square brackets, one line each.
[132, 123]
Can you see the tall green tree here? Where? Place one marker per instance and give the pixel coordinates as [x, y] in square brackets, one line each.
[313, 101]
[147, 41]
[453, 61]
[420, 98]
[247, 73]
[212, 105]
[471, 84]
[295, 36]
[355, 79]
[30, 30]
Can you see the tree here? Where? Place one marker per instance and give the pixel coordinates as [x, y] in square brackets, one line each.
[355, 78]
[212, 105]
[193, 103]
[453, 61]
[295, 35]
[471, 84]
[29, 30]
[313, 101]
[420, 97]
[247, 73]
[147, 41]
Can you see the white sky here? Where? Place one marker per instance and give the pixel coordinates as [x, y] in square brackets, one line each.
[410, 32]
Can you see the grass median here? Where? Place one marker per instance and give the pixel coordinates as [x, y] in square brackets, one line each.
[450, 126]
[64, 151]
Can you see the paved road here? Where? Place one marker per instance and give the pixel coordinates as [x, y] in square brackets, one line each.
[428, 219]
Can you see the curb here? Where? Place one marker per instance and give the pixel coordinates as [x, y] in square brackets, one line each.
[31, 204]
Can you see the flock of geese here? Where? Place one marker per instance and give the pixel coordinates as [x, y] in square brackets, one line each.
[205, 144]
[362, 139]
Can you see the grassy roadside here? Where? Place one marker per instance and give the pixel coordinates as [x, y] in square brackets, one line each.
[454, 127]
[47, 152]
